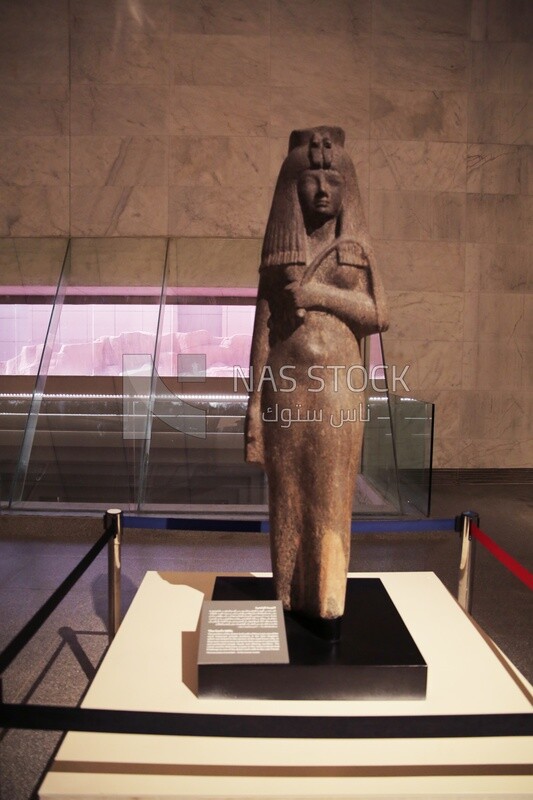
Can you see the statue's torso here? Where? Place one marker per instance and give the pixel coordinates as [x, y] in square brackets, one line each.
[318, 337]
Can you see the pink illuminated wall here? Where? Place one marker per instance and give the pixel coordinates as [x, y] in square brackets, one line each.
[92, 339]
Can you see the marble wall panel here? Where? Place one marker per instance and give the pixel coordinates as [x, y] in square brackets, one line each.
[432, 365]
[434, 116]
[527, 327]
[498, 169]
[400, 215]
[122, 261]
[498, 416]
[219, 161]
[350, 17]
[305, 60]
[119, 161]
[449, 216]
[493, 365]
[35, 15]
[471, 316]
[119, 211]
[500, 118]
[215, 262]
[469, 453]
[34, 110]
[497, 267]
[31, 262]
[223, 59]
[491, 316]
[421, 64]
[346, 105]
[118, 110]
[218, 111]
[482, 453]
[359, 150]
[527, 377]
[452, 452]
[417, 215]
[495, 218]
[421, 266]
[34, 42]
[502, 20]
[493, 415]
[108, 58]
[34, 211]
[122, 17]
[410, 19]
[502, 67]
[526, 157]
[278, 148]
[34, 161]
[218, 211]
[501, 316]
[508, 454]
[427, 315]
[448, 404]
[241, 17]
[424, 166]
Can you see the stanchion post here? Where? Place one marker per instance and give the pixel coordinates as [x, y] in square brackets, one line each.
[113, 518]
[468, 552]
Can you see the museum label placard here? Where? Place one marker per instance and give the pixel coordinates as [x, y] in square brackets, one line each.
[242, 632]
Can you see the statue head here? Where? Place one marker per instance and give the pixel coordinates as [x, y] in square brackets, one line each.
[316, 184]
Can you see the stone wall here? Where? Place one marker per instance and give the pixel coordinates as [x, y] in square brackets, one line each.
[123, 118]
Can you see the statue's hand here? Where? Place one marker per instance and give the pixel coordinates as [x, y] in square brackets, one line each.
[303, 296]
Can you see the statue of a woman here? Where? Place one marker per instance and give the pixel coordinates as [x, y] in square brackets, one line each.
[319, 294]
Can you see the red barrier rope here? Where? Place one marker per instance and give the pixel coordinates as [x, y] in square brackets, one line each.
[508, 561]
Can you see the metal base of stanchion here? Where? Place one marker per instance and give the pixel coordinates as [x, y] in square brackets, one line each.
[467, 562]
[113, 520]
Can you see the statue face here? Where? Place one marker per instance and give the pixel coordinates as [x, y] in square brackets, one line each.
[321, 192]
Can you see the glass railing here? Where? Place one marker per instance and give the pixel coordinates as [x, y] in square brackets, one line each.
[122, 382]
[412, 422]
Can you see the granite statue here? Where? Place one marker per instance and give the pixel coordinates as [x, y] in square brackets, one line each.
[319, 294]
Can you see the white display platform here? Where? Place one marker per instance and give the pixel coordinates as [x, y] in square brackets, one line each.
[151, 666]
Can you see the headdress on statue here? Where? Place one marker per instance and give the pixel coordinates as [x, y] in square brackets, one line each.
[285, 237]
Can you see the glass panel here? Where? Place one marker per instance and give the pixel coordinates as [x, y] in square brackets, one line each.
[80, 453]
[138, 396]
[29, 275]
[413, 430]
[378, 484]
[197, 449]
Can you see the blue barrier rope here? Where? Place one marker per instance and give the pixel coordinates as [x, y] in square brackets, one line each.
[262, 526]
[398, 525]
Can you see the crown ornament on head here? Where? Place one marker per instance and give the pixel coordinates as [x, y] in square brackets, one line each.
[320, 142]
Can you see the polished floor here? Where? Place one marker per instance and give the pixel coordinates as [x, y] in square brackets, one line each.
[59, 663]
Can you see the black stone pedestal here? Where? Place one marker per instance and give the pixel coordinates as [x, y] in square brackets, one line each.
[374, 659]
